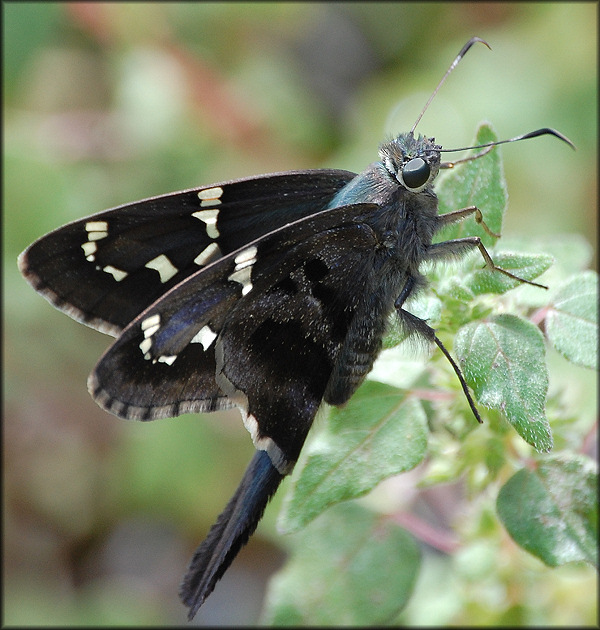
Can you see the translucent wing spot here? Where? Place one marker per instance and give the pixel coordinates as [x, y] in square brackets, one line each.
[89, 249]
[210, 218]
[245, 258]
[151, 322]
[205, 336]
[150, 331]
[209, 254]
[243, 277]
[117, 274]
[168, 359]
[150, 325]
[96, 236]
[210, 196]
[166, 269]
[96, 230]
[243, 269]
[145, 347]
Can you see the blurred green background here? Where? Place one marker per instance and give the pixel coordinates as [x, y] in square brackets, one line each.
[110, 103]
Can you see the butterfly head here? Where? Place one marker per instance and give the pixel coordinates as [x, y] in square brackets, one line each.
[413, 162]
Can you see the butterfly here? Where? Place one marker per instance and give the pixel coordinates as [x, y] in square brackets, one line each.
[271, 294]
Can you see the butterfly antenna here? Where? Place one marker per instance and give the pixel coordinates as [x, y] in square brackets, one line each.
[453, 65]
[532, 134]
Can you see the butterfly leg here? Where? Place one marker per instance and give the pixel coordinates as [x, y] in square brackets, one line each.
[230, 533]
[469, 158]
[459, 215]
[416, 324]
[459, 246]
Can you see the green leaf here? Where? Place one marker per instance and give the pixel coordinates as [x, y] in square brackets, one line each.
[478, 183]
[572, 321]
[552, 511]
[573, 254]
[349, 567]
[503, 361]
[381, 432]
[525, 266]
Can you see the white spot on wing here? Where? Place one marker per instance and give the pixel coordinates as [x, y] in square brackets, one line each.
[243, 269]
[150, 322]
[210, 196]
[209, 217]
[164, 266]
[243, 277]
[89, 249]
[148, 332]
[96, 230]
[99, 229]
[208, 254]
[96, 236]
[168, 359]
[149, 326]
[117, 274]
[96, 226]
[145, 347]
[205, 336]
[245, 258]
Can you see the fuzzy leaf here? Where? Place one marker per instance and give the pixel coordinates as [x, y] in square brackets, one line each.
[552, 511]
[572, 322]
[349, 567]
[503, 361]
[478, 183]
[525, 266]
[381, 432]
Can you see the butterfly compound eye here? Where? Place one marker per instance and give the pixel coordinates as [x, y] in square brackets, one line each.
[416, 173]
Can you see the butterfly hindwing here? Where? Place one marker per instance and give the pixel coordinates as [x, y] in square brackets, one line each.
[209, 343]
[106, 269]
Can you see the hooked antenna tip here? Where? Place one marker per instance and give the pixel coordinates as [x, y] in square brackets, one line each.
[472, 41]
[551, 132]
[461, 54]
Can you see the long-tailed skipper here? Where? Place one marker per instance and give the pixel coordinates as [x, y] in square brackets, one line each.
[269, 293]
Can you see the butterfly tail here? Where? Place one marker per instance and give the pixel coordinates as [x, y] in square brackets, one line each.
[230, 533]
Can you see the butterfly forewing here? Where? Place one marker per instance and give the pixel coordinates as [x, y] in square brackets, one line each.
[106, 269]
